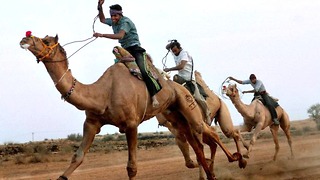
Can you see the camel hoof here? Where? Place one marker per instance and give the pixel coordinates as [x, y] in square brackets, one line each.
[62, 178]
[246, 156]
[190, 164]
[212, 178]
[242, 163]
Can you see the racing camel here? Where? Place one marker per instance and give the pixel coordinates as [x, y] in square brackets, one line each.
[257, 117]
[219, 111]
[124, 105]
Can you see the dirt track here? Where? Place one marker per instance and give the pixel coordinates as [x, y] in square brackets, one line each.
[167, 163]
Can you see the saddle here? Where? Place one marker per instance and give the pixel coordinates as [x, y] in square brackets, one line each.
[123, 56]
[274, 102]
[190, 86]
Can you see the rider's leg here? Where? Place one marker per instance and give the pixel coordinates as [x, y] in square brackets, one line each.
[202, 102]
[153, 87]
[271, 108]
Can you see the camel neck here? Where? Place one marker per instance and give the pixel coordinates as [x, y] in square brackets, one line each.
[74, 92]
[239, 105]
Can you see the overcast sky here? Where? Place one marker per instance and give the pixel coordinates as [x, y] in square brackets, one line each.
[277, 40]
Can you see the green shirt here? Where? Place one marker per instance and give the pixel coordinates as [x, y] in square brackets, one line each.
[131, 36]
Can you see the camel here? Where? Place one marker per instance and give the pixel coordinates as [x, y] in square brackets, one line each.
[220, 112]
[124, 105]
[256, 116]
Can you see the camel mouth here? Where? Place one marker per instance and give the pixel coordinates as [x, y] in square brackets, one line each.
[24, 43]
[25, 46]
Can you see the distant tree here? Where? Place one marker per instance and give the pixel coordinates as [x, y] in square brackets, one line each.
[314, 112]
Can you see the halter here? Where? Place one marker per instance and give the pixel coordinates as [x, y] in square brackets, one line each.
[41, 55]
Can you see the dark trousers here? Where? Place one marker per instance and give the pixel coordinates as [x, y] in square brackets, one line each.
[138, 53]
[269, 103]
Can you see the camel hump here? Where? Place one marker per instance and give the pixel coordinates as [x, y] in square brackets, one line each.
[197, 73]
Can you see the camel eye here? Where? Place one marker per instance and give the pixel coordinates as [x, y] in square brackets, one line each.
[45, 41]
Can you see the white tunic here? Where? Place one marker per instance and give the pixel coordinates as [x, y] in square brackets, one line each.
[187, 70]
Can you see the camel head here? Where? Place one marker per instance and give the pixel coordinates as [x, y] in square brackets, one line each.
[43, 48]
[231, 90]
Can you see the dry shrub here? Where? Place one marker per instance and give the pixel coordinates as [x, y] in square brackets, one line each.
[38, 158]
[20, 159]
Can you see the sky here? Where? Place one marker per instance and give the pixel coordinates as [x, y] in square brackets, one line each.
[278, 41]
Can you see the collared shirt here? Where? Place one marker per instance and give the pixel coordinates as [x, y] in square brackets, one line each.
[131, 36]
[187, 70]
[258, 86]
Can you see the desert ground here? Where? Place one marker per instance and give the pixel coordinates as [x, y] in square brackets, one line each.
[166, 162]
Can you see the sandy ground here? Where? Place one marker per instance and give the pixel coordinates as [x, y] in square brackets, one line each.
[167, 163]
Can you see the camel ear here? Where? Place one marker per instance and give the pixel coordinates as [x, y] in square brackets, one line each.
[56, 38]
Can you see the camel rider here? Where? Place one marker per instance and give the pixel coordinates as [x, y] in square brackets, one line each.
[125, 31]
[184, 66]
[259, 89]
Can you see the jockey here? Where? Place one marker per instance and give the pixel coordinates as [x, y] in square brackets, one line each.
[259, 89]
[184, 66]
[125, 31]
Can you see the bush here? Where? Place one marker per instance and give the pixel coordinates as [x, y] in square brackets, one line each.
[38, 158]
[306, 129]
[75, 137]
[108, 137]
[20, 159]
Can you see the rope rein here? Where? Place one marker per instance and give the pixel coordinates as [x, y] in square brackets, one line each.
[94, 21]
[56, 83]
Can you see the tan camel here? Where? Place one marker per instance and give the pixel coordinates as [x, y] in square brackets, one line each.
[256, 116]
[107, 101]
[220, 112]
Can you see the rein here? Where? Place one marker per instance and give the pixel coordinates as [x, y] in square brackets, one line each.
[51, 48]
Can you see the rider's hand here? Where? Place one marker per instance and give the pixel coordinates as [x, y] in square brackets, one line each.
[101, 2]
[97, 35]
[166, 69]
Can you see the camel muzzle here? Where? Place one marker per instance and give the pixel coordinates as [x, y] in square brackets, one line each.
[24, 44]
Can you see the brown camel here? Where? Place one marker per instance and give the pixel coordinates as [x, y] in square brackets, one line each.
[256, 116]
[111, 101]
[220, 112]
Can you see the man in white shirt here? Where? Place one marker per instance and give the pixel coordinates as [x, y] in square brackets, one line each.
[184, 66]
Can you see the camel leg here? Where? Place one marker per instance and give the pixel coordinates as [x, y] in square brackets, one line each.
[184, 148]
[244, 128]
[236, 137]
[226, 125]
[132, 141]
[274, 130]
[285, 126]
[256, 132]
[228, 130]
[213, 150]
[214, 138]
[195, 142]
[180, 139]
[89, 131]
